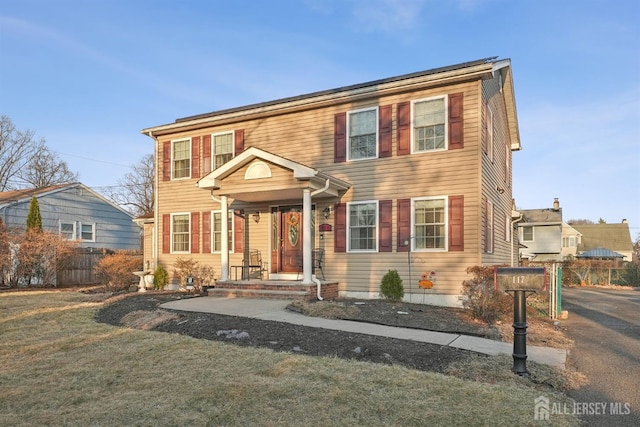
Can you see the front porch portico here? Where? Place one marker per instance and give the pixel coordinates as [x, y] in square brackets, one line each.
[255, 178]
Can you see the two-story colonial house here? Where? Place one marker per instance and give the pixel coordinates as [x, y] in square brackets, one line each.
[411, 173]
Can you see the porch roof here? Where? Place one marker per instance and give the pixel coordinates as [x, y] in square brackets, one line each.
[262, 187]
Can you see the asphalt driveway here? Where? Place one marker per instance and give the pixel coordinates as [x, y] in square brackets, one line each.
[605, 325]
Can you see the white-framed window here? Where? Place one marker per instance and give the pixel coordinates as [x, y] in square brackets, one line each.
[68, 230]
[181, 158]
[88, 232]
[216, 231]
[507, 228]
[569, 242]
[362, 134]
[429, 223]
[490, 227]
[526, 233]
[490, 133]
[362, 223]
[429, 119]
[180, 232]
[221, 149]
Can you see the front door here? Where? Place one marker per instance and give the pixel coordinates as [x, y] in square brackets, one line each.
[290, 237]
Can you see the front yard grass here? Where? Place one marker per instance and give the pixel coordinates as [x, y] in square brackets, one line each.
[60, 367]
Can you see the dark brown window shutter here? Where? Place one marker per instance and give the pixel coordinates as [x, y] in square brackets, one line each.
[456, 223]
[166, 160]
[195, 232]
[404, 224]
[385, 226]
[195, 157]
[340, 224]
[206, 232]
[206, 155]
[456, 125]
[384, 124]
[404, 128]
[340, 138]
[166, 233]
[238, 141]
[238, 231]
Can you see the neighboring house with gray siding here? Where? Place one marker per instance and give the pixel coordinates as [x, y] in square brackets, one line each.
[76, 212]
[541, 234]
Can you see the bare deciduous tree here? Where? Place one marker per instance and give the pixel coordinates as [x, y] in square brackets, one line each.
[44, 169]
[134, 191]
[16, 150]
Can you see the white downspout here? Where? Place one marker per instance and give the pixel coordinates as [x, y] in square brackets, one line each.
[513, 234]
[156, 219]
[315, 279]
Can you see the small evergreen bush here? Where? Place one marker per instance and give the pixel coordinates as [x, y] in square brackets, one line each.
[160, 277]
[391, 287]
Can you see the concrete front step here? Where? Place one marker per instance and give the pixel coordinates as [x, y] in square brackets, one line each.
[273, 289]
[260, 293]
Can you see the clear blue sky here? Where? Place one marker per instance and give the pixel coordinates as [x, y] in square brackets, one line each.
[89, 75]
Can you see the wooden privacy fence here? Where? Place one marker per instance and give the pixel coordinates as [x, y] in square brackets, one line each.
[81, 268]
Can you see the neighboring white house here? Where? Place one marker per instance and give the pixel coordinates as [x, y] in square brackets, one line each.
[571, 238]
[541, 234]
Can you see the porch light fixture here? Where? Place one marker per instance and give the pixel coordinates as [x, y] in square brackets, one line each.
[326, 212]
[256, 217]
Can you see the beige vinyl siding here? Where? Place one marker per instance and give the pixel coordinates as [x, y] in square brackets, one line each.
[307, 137]
[494, 176]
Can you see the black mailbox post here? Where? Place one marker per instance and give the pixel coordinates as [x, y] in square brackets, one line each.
[520, 280]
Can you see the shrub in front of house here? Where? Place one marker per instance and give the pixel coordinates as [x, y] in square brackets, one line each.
[481, 298]
[391, 287]
[203, 275]
[115, 271]
[160, 277]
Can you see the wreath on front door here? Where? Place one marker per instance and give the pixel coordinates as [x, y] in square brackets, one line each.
[294, 219]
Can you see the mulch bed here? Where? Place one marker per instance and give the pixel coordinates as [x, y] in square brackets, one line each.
[305, 340]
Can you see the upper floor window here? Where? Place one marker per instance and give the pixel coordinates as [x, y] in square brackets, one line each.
[429, 119]
[88, 232]
[363, 134]
[68, 230]
[216, 231]
[429, 223]
[181, 158]
[180, 226]
[363, 226]
[527, 233]
[222, 149]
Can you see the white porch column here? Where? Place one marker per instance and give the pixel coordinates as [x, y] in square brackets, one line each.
[306, 237]
[224, 240]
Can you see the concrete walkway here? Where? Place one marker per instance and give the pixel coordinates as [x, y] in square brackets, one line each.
[275, 310]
